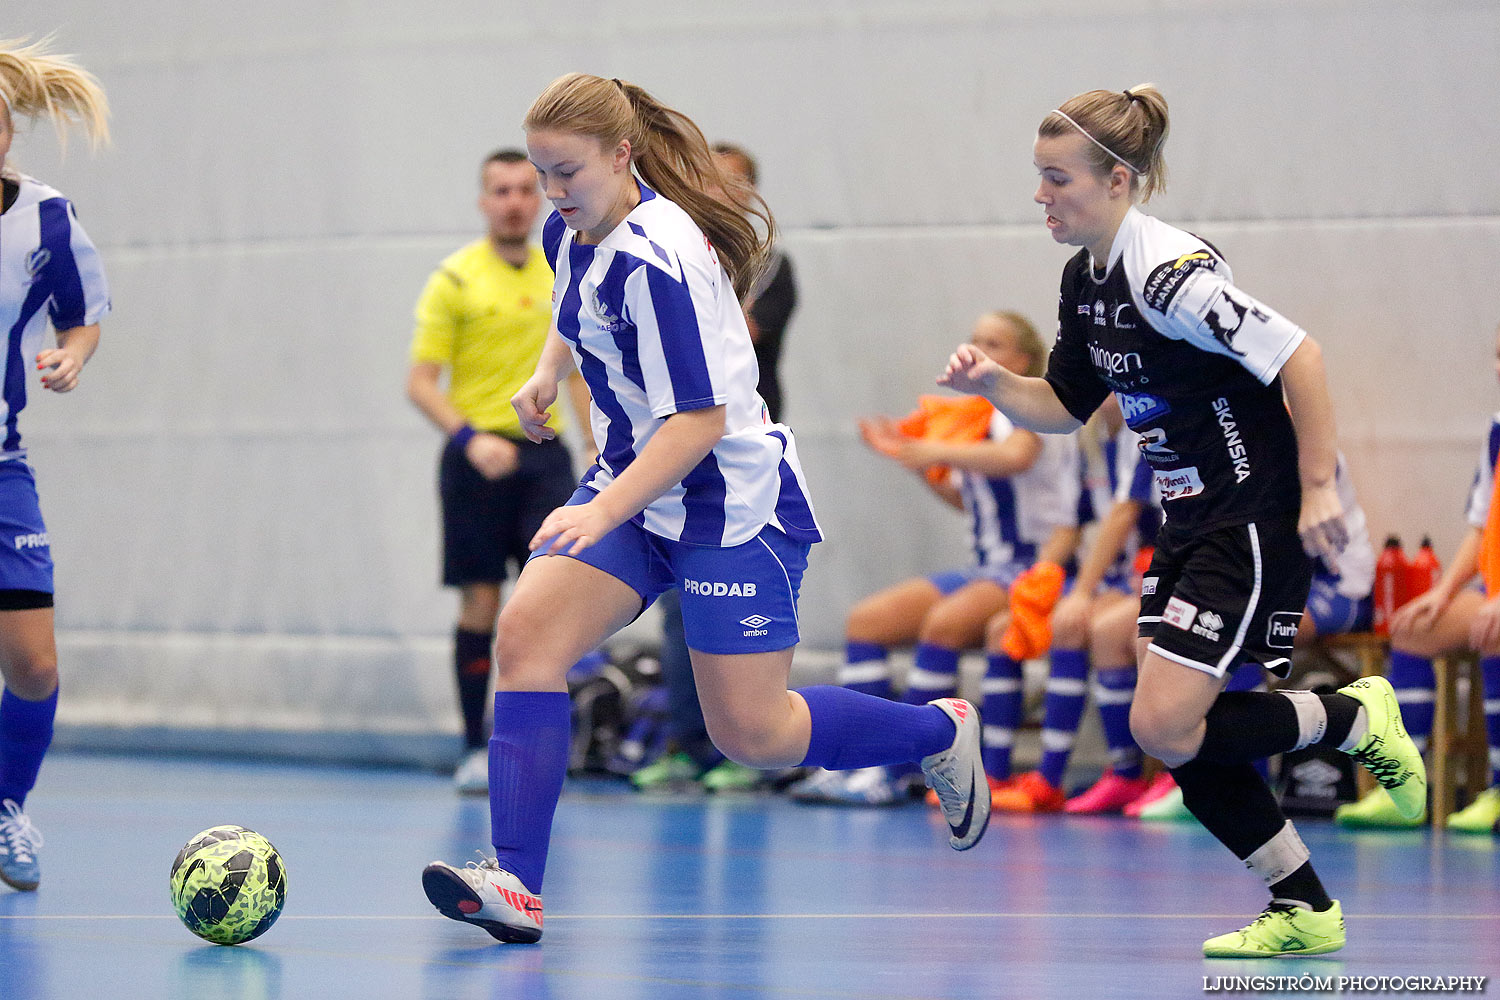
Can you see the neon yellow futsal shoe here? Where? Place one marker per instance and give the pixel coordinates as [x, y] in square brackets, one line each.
[1375, 811]
[1479, 816]
[1282, 929]
[1386, 750]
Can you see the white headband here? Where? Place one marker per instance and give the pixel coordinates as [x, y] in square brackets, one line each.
[1124, 162]
[5, 99]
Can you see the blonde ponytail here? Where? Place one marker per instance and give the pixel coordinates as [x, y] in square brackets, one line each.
[41, 84]
[673, 158]
[1123, 126]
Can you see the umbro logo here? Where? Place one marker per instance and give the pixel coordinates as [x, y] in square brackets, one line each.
[756, 621]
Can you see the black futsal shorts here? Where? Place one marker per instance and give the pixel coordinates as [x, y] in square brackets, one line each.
[1214, 599]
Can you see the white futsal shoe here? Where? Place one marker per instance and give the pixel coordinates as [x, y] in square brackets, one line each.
[486, 895]
[957, 776]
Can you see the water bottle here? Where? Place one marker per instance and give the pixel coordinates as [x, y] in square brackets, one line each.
[1391, 572]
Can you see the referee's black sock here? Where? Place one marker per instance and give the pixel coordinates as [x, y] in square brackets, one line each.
[1248, 725]
[1234, 804]
[471, 668]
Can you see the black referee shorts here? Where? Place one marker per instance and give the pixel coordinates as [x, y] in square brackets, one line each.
[1214, 599]
[488, 523]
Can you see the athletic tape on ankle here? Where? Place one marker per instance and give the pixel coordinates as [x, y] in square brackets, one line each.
[1280, 856]
[1312, 719]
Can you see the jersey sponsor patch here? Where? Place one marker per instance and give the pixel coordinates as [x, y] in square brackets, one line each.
[1179, 613]
[1141, 406]
[1174, 484]
[1281, 629]
[1166, 279]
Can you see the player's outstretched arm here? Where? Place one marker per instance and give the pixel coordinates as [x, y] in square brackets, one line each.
[1028, 402]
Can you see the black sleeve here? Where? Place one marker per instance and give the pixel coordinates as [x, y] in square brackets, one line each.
[1070, 371]
[772, 308]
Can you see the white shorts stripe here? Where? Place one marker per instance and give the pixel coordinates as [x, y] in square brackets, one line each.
[796, 619]
[1239, 635]
[1207, 668]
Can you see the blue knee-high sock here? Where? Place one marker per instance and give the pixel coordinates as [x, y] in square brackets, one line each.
[1490, 667]
[934, 674]
[1249, 676]
[25, 735]
[528, 761]
[1114, 687]
[852, 730]
[1411, 676]
[1067, 687]
[866, 669]
[1001, 712]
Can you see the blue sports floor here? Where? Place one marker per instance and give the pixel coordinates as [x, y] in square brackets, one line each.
[664, 898]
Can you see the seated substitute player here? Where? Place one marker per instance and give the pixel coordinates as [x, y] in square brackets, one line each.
[1103, 581]
[1015, 489]
[694, 487]
[1453, 617]
[1151, 313]
[483, 318]
[50, 278]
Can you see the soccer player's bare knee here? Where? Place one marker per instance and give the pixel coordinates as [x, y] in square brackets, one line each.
[949, 629]
[1164, 734]
[31, 676]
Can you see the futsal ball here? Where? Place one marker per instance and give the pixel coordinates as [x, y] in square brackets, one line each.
[228, 885]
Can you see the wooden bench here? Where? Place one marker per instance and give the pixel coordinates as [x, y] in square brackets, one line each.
[1459, 742]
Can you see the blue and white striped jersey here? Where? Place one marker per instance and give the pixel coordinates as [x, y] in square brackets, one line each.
[1011, 516]
[655, 329]
[1132, 479]
[1354, 568]
[50, 275]
[1483, 489]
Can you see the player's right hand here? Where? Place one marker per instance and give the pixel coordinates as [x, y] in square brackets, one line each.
[970, 370]
[531, 405]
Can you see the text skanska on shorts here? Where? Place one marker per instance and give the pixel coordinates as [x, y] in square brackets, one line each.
[1344, 984]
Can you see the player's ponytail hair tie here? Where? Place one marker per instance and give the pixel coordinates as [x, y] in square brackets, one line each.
[1123, 162]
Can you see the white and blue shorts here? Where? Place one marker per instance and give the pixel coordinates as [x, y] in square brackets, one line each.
[25, 550]
[739, 599]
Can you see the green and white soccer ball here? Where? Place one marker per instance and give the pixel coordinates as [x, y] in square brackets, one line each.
[228, 884]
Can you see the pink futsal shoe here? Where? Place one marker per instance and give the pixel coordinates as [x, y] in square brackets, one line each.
[1109, 794]
[957, 775]
[486, 895]
[1161, 786]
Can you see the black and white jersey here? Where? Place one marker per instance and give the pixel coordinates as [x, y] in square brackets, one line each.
[1196, 365]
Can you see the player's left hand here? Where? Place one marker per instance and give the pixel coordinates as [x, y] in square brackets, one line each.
[570, 530]
[59, 369]
[1484, 630]
[1321, 523]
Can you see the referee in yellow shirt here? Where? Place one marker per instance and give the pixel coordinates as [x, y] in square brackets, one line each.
[484, 317]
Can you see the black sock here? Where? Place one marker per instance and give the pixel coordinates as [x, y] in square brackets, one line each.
[1234, 804]
[1249, 725]
[1342, 711]
[1243, 726]
[1304, 886]
[471, 667]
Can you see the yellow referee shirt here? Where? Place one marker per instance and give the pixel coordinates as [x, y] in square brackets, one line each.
[486, 321]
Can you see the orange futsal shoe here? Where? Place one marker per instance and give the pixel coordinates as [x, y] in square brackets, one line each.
[1029, 793]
